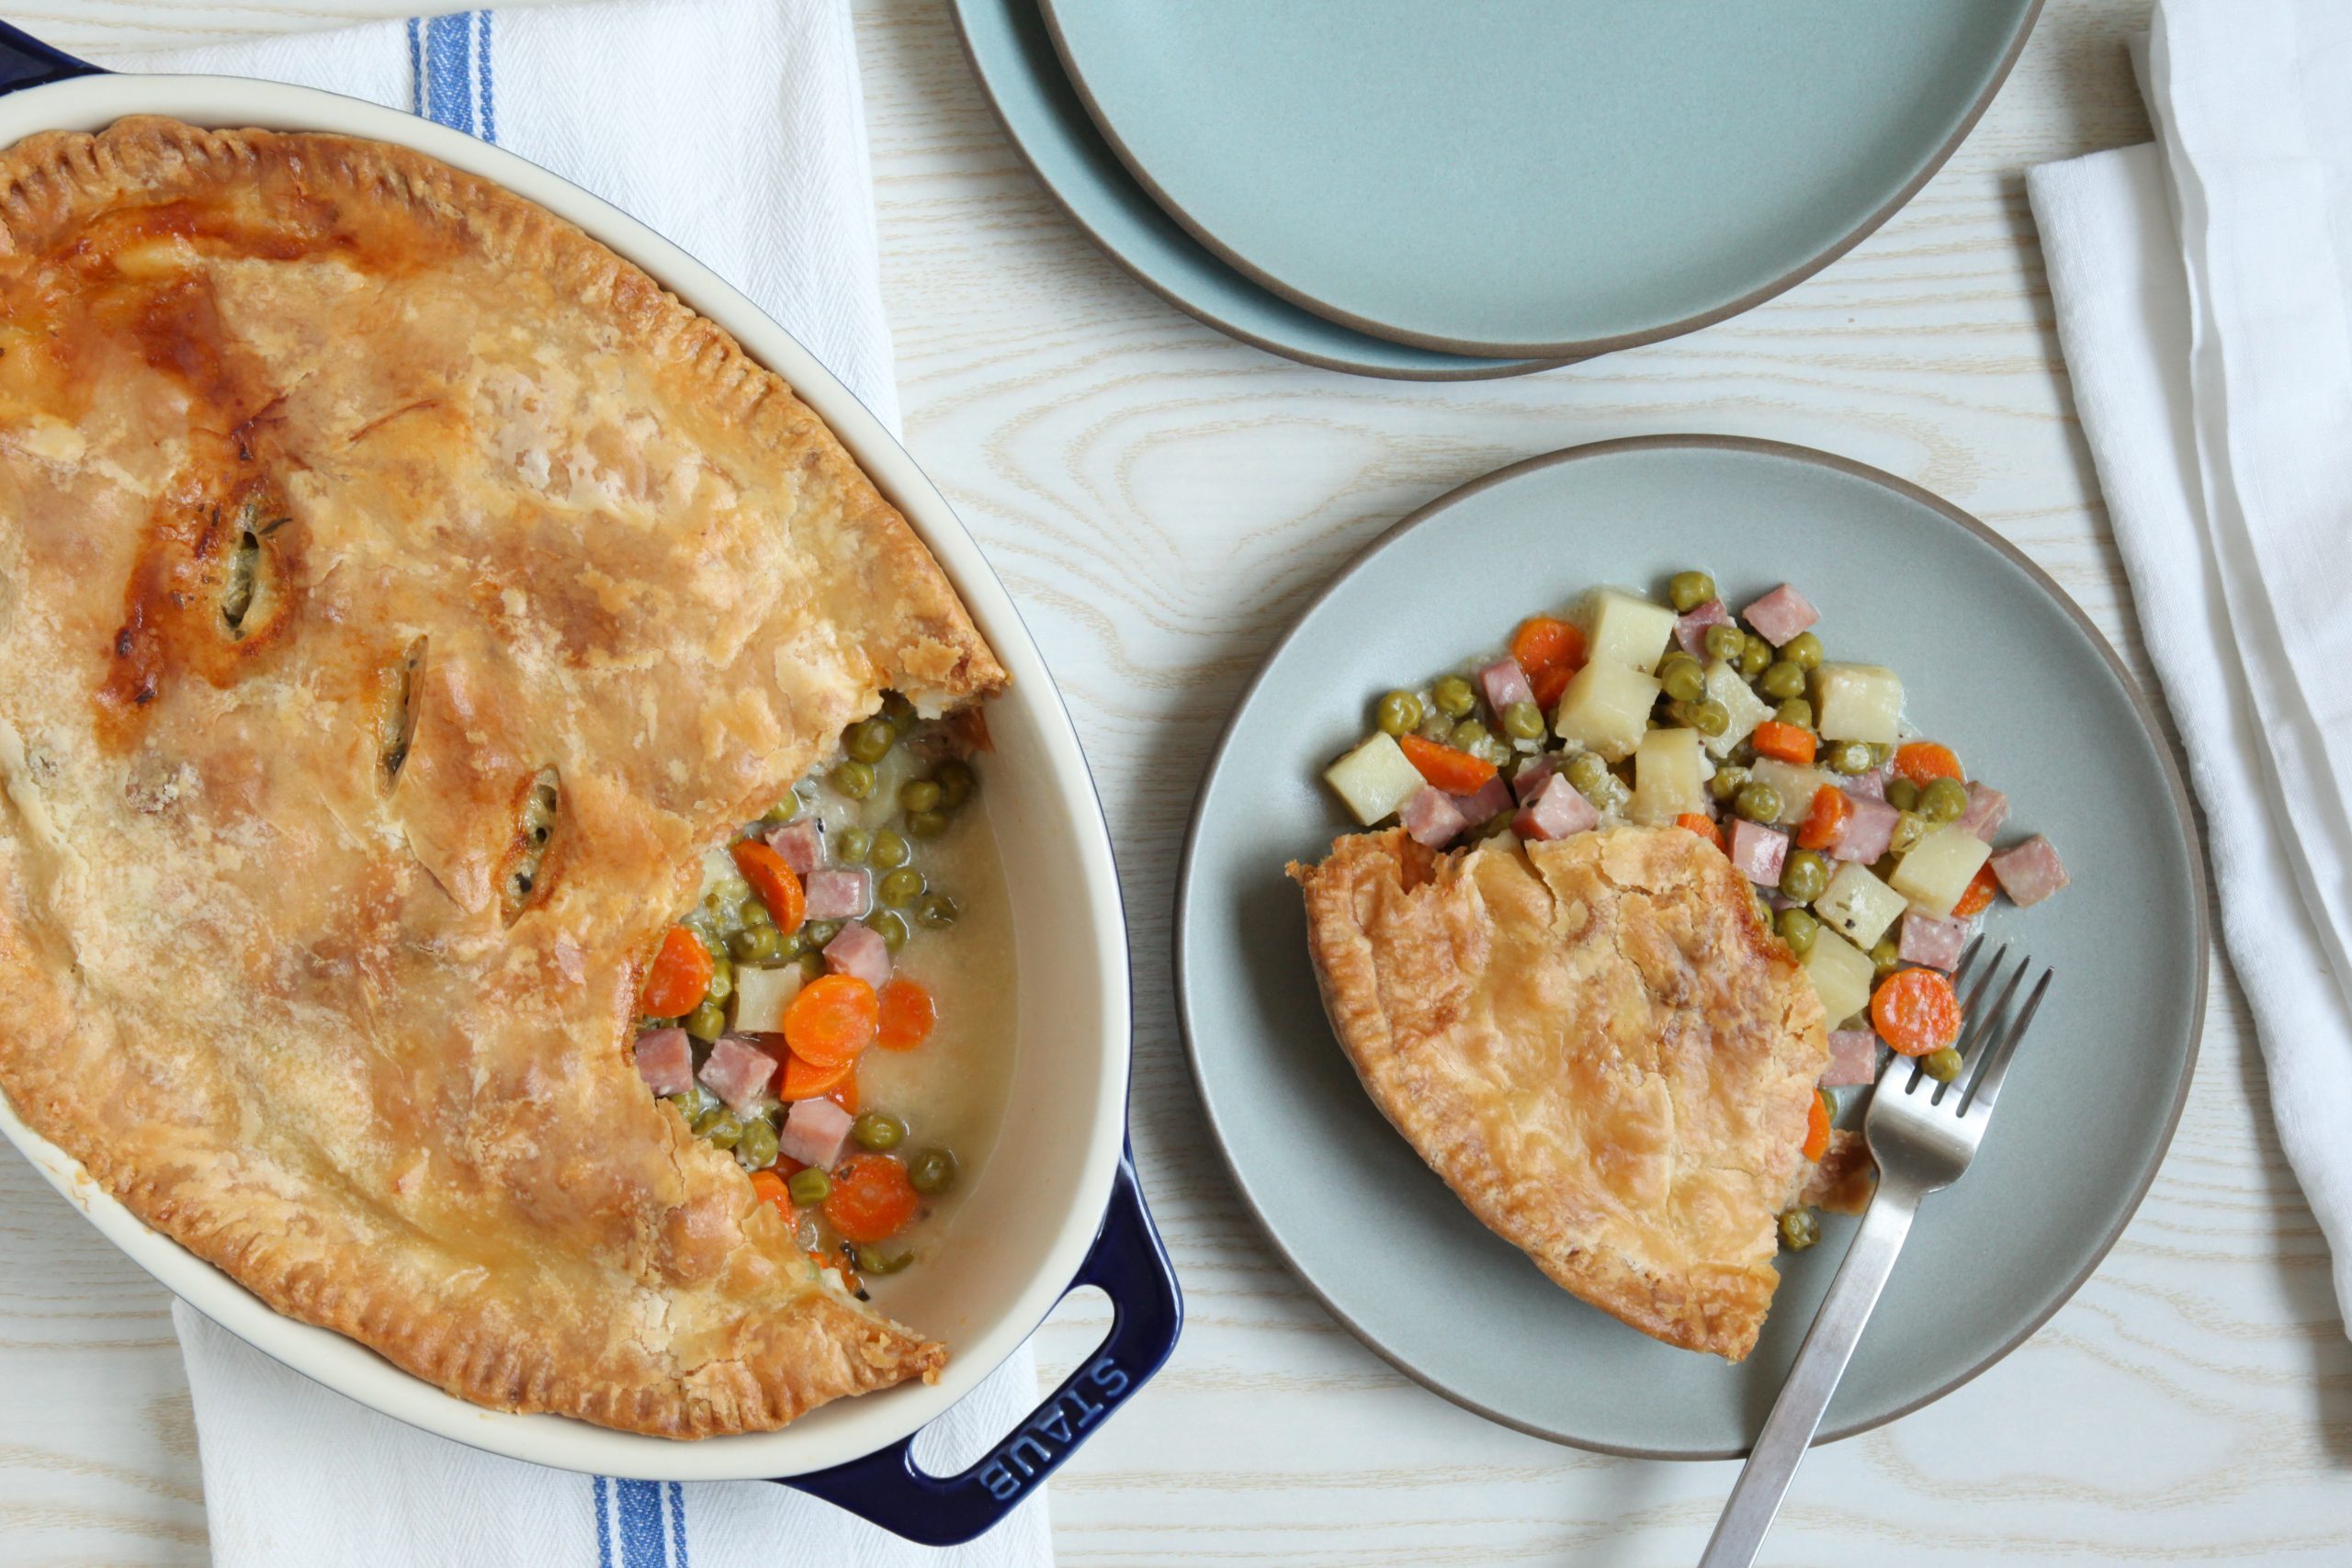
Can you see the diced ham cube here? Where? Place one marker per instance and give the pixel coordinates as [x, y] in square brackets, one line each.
[801, 843]
[813, 1132]
[1483, 805]
[839, 895]
[1853, 1058]
[1988, 809]
[1867, 831]
[860, 950]
[665, 1060]
[1505, 684]
[1431, 819]
[1868, 787]
[1690, 630]
[1758, 851]
[2030, 872]
[1780, 615]
[1559, 810]
[737, 1072]
[1934, 942]
[1532, 775]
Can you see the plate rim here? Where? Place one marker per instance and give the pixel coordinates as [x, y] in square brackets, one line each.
[1505, 367]
[2145, 707]
[1569, 349]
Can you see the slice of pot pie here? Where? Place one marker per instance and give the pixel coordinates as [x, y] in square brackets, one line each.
[352, 511]
[1598, 1045]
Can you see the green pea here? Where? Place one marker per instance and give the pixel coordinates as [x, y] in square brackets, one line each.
[1796, 711]
[1724, 785]
[694, 1102]
[757, 917]
[722, 977]
[881, 1257]
[1453, 696]
[1612, 794]
[927, 824]
[955, 781]
[1902, 795]
[812, 966]
[888, 850]
[898, 711]
[1804, 650]
[782, 811]
[756, 1149]
[1943, 1063]
[1798, 928]
[1757, 802]
[1400, 713]
[820, 932]
[1755, 657]
[808, 1188]
[851, 845]
[732, 891]
[706, 1117]
[891, 928]
[1689, 589]
[918, 795]
[1523, 721]
[932, 1171]
[1943, 800]
[1886, 956]
[707, 1021]
[1710, 718]
[854, 779]
[1805, 875]
[1587, 772]
[724, 1131]
[1468, 736]
[902, 886]
[1909, 828]
[1683, 679]
[1798, 1229]
[870, 741]
[1849, 757]
[937, 912]
[1881, 753]
[878, 1129]
[1725, 643]
[790, 945]
[758, 946]
[1780, 680]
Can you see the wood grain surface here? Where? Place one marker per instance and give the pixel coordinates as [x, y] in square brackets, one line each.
[1161, 501]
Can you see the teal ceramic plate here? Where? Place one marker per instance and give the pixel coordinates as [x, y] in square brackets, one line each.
[1544, 177]
[1999, 663]
[1015, 59]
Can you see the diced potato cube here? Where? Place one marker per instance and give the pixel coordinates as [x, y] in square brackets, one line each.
[1857, 702]
[1667, 782]
[1606, 709]
[1374, 778]
[1796, 784]
[1939, 867]
[1739, 699]
[1841, 975]
[1626, 630]
[761, 996]
[1857, 905]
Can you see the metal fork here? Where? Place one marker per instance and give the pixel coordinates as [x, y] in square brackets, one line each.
[1923, 1133]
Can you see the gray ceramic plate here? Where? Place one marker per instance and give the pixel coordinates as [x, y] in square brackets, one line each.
[1541, 177]
[1015, 61]
[1999, 663]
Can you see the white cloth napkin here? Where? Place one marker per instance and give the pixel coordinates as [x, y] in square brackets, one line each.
[2203, 287]
[737, 128]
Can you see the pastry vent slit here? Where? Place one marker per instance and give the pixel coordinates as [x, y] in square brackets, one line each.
[528, 872]
[396, 718]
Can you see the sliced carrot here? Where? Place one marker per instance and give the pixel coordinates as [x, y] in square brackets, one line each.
[1922, 761]
[1786, 741]
[679, 976]
[1551, 686]
[1550, 651]
[833, 1019]
[1704, 826]
[1456, 773]
[845, 1093]
[1816, 1127]
[806, 1081]
[1916, 1011]
[772, 878]
[769, 1189]
[908, 1014]
[1822, 824]
[1977, 897]
[872, 1198]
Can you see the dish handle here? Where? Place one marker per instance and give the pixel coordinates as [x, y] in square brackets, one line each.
[1128, 1264]
[26, 62]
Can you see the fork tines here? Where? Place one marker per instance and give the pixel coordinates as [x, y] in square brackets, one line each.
[1987, 1038]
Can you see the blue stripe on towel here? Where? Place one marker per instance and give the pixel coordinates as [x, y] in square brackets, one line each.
[415, 65]
[678, 1524]
[448, 72]
[640, 1509]
[482, 80]
[604, 1529]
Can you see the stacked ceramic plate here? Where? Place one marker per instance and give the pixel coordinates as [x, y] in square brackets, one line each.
[1423, 190]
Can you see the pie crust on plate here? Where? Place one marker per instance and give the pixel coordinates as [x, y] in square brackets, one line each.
[343, 498]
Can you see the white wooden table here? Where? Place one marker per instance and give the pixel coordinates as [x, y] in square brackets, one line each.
[1161, 501]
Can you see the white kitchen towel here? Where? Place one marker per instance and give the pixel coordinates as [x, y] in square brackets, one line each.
[2202, 287]
[737, 128]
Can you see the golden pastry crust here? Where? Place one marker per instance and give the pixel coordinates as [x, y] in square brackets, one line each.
[1599, 1047]
[270, 966]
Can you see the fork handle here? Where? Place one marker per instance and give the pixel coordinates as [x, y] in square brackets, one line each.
[1828, 1346]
